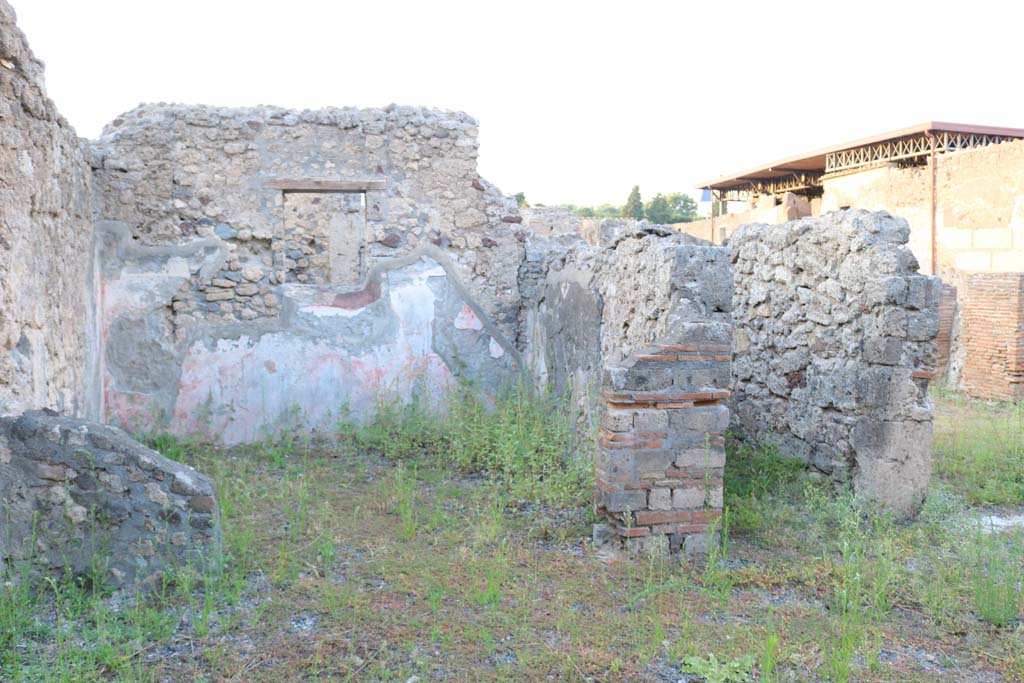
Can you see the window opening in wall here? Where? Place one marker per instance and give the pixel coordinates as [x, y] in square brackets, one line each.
[323, 237]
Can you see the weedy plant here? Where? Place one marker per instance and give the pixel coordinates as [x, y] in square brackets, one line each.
[524, 440]
[714, 671]
[997, 576]
[769, 659]
[718, 579]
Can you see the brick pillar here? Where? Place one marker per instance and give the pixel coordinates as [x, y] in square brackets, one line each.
[661, 449]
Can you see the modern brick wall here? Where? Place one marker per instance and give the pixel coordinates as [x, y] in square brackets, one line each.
[993, 334]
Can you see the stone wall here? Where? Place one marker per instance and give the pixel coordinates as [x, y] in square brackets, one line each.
[551, 220]
[588, 304]
[84, 498]
[834, 345]
[640, 332]
[767, 209]
[45, 238]
[264, 266]
[993, 334]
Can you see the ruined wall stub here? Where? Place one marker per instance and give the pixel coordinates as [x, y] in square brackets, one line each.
[639, 332]
[45, 239]
[85, 498]
[263, 266]
[834, 343]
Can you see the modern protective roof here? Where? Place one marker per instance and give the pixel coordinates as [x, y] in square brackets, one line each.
[815, 162]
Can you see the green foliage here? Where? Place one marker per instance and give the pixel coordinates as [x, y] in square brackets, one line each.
[399, 429]
[713, 671]
[769, 658]
[758, 471]
[520, 198]
[165, 444]
[405, 487]
[634, 207]
[672, 208]
[758, 484]
[657, 210]
[525, 440]
[998, 576]
[980, 452]
[718, 580]
[682, 206]
[600, 211]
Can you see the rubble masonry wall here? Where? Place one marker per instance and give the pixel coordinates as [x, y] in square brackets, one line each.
[834, 344]
[45, 240]
[88, 499]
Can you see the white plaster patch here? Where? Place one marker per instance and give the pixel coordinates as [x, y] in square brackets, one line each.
[331, 311]
[495, 348]
[997, 523]
[412, 300]
[178, 267]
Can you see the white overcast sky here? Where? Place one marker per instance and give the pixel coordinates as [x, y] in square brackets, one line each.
[577, 101]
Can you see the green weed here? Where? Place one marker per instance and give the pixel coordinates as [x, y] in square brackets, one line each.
[979, 451]
[713, 671]
[998, 576]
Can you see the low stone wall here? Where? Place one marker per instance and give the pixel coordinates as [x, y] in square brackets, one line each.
[45, 240]
[551, 220]
[84, 498]
[834, 347]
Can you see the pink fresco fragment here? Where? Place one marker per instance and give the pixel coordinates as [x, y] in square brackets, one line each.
[467, 320]
[243, 389]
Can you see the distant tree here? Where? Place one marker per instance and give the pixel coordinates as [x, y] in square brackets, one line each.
[658, 210]
[634, 207]
[600, 211]
[520, 198]
[682, 206]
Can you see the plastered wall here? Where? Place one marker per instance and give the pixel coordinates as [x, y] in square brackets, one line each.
[263, 267]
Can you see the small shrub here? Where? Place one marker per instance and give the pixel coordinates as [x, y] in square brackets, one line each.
[769, 658]
[758, 472]
[755, 480]
[713, 671]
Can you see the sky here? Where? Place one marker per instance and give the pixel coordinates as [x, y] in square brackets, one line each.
[577, 101]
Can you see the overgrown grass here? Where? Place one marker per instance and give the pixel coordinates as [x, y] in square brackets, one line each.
[403, 549]
[525, 440]
[979, 449]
